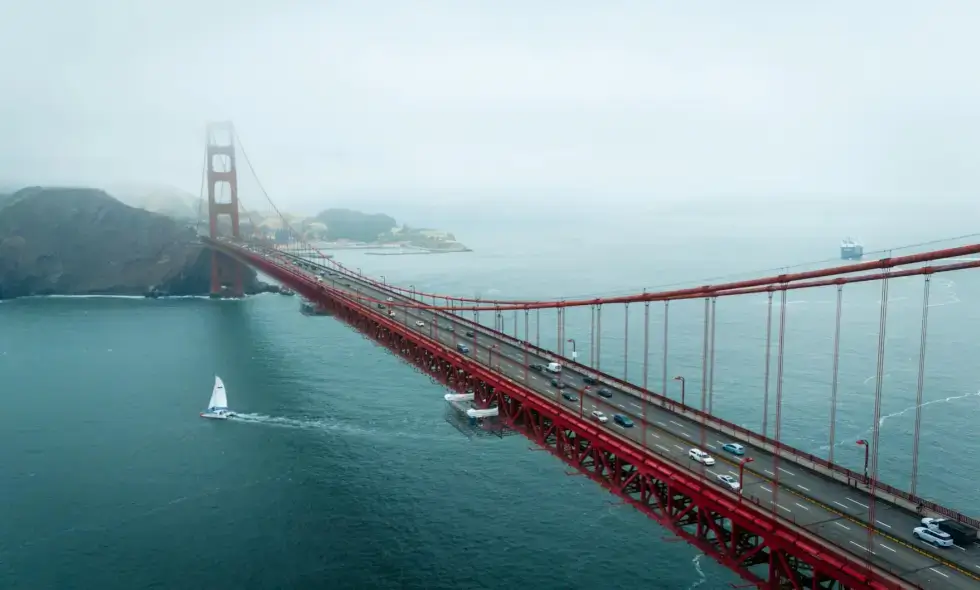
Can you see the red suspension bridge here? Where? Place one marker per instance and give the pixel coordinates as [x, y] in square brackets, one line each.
[776, 515]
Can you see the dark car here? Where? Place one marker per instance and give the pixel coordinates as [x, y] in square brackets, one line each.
[622, 421]
[570, 397]
[590, 380]
[558, 384]
[537, 368]
[381, 306]
[603, 392]
[470, 333]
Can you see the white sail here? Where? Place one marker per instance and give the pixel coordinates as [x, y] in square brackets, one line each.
[219, 399]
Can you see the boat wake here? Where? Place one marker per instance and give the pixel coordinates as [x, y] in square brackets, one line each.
[332, 426]
[881, 421]
[697, 567]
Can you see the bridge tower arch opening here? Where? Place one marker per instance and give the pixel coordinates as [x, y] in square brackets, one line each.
[226, 273]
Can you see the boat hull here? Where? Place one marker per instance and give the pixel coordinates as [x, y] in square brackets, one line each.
[215, 416]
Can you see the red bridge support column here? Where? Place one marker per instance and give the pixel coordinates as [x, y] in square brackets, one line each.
[223, 173]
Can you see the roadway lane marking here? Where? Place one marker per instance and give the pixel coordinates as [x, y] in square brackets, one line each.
[939, 572]
[843, 526]
[786, 472]
[677, 424]
[856, 502]
[887, 547]
[803, 488]
[711, 446]
[661, 423]
[679, 447]
[862, 547]
[719, 442]
[839, 504]
[769, 472]
[887, 526]
[766, 489]
[663, 447]
[636, 405]
[784, 508]
[958, 547]
[686, 434]
[802, 506]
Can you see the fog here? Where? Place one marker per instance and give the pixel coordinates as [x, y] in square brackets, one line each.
[664, 105]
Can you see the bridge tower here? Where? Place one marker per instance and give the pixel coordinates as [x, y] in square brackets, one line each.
[222, 174]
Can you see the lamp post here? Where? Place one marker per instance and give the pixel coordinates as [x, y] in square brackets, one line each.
[384, 281]
[683, 382]
[867, 452]
[412, 287]
[574, 348]
[741, 472]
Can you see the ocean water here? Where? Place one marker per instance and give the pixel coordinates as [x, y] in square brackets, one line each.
[344, 474]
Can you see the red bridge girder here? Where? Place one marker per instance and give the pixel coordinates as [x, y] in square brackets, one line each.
[764, 550]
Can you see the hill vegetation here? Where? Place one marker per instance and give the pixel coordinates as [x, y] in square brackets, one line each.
[347, 224]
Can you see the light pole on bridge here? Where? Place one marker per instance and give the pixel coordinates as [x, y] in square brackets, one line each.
[412, 287]
[574, 348]
[384, 281]
[867, 453]
[683, 382]
[741, 473]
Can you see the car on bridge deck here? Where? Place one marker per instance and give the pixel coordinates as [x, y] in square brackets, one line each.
[390, 299]
[701, 456]
[603, 392]
[937, 538]
[391, 313]
[733, 448]
[470, 333]
[381, 306]
[590, 380]
[420, 323]
[558, 384]
[599, 416]
[622, 421]
[570, 397]
[729, 482]
[536, 367]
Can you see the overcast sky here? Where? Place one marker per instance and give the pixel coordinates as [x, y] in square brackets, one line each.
[463, 99]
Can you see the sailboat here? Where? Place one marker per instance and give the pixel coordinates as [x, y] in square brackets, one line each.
[218, 406]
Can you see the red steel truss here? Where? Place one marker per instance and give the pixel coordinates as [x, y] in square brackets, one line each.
[765, 550]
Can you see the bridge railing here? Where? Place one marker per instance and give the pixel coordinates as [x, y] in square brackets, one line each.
[720, 424]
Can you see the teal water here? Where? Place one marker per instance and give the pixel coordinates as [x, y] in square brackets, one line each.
[345, 474]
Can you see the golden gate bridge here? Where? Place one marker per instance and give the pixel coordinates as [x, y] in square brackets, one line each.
[776, 515]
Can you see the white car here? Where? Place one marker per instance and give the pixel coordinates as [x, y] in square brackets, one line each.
[729, 482]
[391, 314]
[701, 457]
[420, 323]
[599, 416]
[937, 538]
[390, 299]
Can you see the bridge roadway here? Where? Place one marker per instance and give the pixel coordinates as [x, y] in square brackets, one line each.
[826, 507]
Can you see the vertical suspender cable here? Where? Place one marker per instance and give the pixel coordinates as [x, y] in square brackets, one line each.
[711, 364]
[765, 386]
[779, 396]
[833, 386]
[704, 371]
[626, 345]
[663, 385]
[921, 381]
[598, 337]
[646, 365]
[592, 337]
[876, 426]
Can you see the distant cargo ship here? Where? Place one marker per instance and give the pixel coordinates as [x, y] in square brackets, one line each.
[851, 250]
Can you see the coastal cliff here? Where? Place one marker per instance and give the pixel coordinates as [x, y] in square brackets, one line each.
[77, 241]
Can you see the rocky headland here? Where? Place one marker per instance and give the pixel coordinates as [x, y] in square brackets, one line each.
[79, 241]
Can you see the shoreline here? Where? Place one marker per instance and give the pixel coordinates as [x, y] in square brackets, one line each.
[420, 253]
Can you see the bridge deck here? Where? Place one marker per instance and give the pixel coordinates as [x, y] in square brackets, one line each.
[829, 508]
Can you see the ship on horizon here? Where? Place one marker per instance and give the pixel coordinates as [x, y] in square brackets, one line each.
[851, 249]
